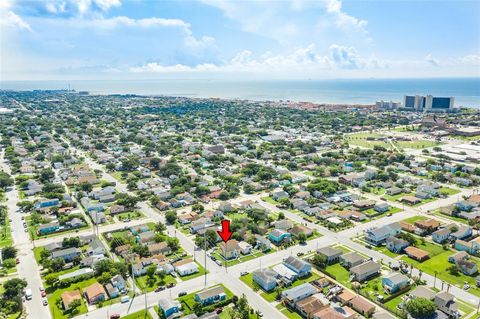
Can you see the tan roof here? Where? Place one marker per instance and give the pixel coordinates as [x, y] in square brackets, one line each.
[94, 290]
[69, 296]
[360, 304]
[416, 253]
[328, 313]
[310, 305]
[428, 223]
[182, 262]
[345, 296]
[231, 245]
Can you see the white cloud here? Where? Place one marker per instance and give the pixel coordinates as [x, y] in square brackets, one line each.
[110, 23]
[296, 22]
[79, 7]
[12, 20]
[430, 59]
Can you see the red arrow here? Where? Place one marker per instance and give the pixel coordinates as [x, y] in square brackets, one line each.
[225, 233]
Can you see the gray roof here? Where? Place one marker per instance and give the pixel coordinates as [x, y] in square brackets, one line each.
[64, 252]
[295, 262]
[298, 291]
[396, 277]
[369, 266]
[423, 292]
[211, 292]
[352, 257]
[329, 251]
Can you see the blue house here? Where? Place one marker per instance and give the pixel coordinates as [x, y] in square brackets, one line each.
[211, 295]
[396, 245]
[464, 206]
[394, 282]
[470, 247]
[265, 278]
[378, 236]
[462, 232]
[277, 236]
[48, 228]
[381, 207]
[46, 203]
[168, 307]
[299, 266]
[441, 235]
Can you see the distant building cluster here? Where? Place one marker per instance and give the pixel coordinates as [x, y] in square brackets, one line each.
[427, 103]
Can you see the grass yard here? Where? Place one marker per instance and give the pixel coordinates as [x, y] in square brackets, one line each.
[360, 139]
[5, 234]
[241, 259]
[142, 314]
[54, 296]
[341, 274]
[130, 215]
[271, 296]
[143, 284]
[416, 144]
[449, 191]
[201, 272]
[270, 200]
[414, 219]
[454, 218]
[188, 301]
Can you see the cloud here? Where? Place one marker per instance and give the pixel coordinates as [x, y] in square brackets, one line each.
[68, 8]
[111, 23]
[345, 57]
[297, 22]
[12, 20]
[430, 59]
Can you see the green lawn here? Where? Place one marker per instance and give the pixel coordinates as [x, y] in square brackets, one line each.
[5, 234]
[271, 296]
[143, 284]
[201, 272]
[188, 301]
[414, 219]
[241, 259]
[54, 296]
[418, 144]
[341, 274]
[454, 218]
[449, 191]
[270, 200]
[130, 215]
[142, 314]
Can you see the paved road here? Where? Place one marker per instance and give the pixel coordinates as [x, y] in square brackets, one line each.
[27, 268]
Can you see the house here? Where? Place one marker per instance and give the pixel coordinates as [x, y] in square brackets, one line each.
[68, 297]
[49, 228]
[362, 306]
[95, 247]
[334, 312]
[463, 231]
[262, 243]
[310, 305]
[392, 191]
[471, 247]
[345, 296]
[119, 282]
[230, 249]
[67, 254]
[351, 259]
[85, 272]
[364, 204]
[293, 295]
[95, 293]
[48, 203]
[159, 248]
[381, 207]
[278, 195]
[285, 274]
[416, 253]
[200, 224]
[396, 245]
[378, 236]
[467, 267]
[168, 306]
[145, 237]
[112, 291]
[278, 236]
[446, 303]
[428, 225]
[283, 224]
[300, 229]
[441, 235]
[394, 282]
[211, 295]
[364, 271]
[331, 254]
[299, 266]
[245, 248]
[410, 200]
[461, 255]
[422, 292]
[75, 223]
[186, 268]
[116, 209]
[97, 217]
[265, 278]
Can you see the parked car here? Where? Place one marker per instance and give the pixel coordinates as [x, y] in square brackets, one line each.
[244, 273]
[115, 316]
[17, 260]
[44, 293]
[181, 294]
[218, 310]
[300, 254]
[160, 289]
[170, 285]
[219, 262]
[45, 302]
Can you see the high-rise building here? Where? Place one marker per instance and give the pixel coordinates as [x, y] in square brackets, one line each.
[428, 103]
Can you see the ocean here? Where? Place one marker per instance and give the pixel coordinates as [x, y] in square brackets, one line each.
[354, 91]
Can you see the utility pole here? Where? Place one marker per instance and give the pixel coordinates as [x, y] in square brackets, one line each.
[205, 255]
[133, 279]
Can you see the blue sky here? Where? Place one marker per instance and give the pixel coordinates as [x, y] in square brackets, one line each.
[135, 39]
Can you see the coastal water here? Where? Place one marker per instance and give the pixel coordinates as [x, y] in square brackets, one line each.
[356, 91]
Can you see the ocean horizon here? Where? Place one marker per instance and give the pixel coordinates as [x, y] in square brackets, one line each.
[466, 91]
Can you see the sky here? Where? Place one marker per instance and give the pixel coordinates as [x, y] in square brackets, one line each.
[238, 39]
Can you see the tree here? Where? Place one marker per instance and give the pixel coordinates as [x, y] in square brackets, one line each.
[57, 264]
[421, 307]
[171, 217]
[302, 237]
[51, 279]
[319, 260]
[173, 243]
[242, 309]
[151, 270]
[14, 287]
[104, 278]
[9, 252]
[74, 305]
[5, 180]
[161, 275]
